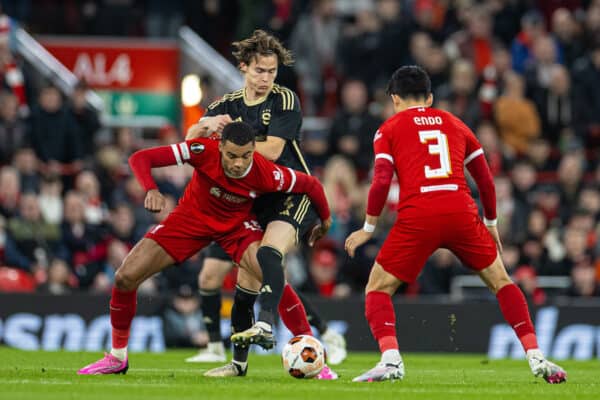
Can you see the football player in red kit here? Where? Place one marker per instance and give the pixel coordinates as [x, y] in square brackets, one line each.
[428, 149]
[216, 206]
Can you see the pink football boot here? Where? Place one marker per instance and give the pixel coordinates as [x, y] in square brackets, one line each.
[107, 365]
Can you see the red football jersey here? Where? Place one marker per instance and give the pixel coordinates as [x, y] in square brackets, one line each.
[429, 148]
[218, 200]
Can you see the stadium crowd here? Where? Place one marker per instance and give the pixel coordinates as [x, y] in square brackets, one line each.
[524, 75]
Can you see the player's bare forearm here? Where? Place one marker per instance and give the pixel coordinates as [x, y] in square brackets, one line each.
[154, 201]
[196, 131]
[361, 236]
[271, 148]
[208, 125]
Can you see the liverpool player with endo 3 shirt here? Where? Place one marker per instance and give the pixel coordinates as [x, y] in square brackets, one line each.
[216, 206]
[428, 149]
[274, 112]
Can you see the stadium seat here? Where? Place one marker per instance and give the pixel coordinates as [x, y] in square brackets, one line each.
[16, 280]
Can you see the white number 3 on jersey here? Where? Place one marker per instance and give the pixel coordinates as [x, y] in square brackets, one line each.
[440, 148]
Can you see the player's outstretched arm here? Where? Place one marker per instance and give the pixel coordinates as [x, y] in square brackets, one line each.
[480, 171]
[382, 178]
[141, 163]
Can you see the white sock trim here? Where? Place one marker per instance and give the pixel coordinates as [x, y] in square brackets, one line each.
[391, 356]
[242, 364]
[121, 354]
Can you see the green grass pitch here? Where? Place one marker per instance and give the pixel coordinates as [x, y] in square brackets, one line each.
[51, 375]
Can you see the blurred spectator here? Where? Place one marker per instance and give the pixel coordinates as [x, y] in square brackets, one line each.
[353, 127]
[164, 18]
[589, 200]
[512, 214]
[11, 76]
[540, 155]
[58, 278]
[342, 190]
[35, 239]
[474, 42]
[568, 35]
[570, 178]
[459, 95]
[322, 270]
[516, 116]
[105, 275]
[54, 134]
[526, 278]
[437, 66]
[492, 148]
[506, 16]
[430, 16]
[546, 197]
[314, 42]
[360, 49]
[395, 35]
[511, 256]
[438, 272]
[86, 118]
[315, 147]
[586, 86]
[584, 280]
[13, 131]
[80, 241]
[532, 28]
[87, 184]
[492, 80]
[183, 320]
[538, 72]
[10, 191]
[575, 247]
[122, 224]
[50, 198]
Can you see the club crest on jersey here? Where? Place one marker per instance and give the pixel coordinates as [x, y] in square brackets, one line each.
[266, 116]
[215, 191]
[377, 136]
[197, 148]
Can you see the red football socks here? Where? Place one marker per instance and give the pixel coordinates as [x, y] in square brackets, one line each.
[122, 310]
[382, 320]
[292, 313]
[514, 308]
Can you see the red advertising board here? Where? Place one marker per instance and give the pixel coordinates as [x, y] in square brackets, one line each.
[119, 64]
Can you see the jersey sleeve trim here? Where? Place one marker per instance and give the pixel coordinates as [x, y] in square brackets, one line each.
[490, 222]
[287, 98]
[385, 156]
[176, 153]
[293, 180]
[434, 188]
[185, 151]
[474, 154]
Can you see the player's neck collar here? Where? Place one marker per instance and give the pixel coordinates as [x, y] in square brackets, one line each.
[246, 172]
[417, 106]
[256, 101]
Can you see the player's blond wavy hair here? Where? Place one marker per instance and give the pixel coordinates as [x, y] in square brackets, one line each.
[263, 44]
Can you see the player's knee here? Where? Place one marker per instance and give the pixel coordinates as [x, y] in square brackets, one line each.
[125, 280]
[500, 283]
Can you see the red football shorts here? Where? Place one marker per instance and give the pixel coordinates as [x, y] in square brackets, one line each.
[413, 239]
[181, 236]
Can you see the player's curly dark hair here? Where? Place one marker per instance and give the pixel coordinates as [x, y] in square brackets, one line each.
[263, 44]
[409, 81]
[239, 133]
